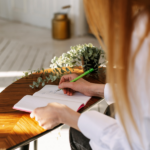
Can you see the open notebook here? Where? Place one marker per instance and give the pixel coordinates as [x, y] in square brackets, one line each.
[47, 95]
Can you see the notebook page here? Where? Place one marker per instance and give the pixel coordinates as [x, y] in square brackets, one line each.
[28, 103]
[49, 91]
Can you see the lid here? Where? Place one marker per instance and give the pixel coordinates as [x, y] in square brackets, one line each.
[60, 16]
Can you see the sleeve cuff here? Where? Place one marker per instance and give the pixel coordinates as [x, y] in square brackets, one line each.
[108, 94]
[92, 124]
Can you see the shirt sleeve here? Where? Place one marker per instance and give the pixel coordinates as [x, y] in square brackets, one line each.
[104, 132]
[108, 94]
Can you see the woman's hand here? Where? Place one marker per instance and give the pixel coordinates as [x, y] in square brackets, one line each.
[53, 114]
[81, 85]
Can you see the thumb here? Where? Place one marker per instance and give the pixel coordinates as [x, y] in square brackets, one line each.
[66, 85]
[32, 115]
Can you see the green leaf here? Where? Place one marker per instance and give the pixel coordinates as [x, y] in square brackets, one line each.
[26, 74]
[51, 73]
[95, 54]
[74, 57]
[67, 70]
[37, 85]
[47, 79]
[54, 78]
[90, 51]
[62, 71]
[86, 57]
[95, 60]
[58, 66]
[95, 65]
[89, 65]
[34, 83]
[57, 70]
[46, 72]
[92, 58]
[58, 75]
[51, 77]
[43, 70]
[38, 71]
[43, 83]
[31, 86]
[39, 79]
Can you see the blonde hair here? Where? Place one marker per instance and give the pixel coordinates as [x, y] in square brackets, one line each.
[113, 20]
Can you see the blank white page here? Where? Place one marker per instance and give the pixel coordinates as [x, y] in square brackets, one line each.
[28, 103]
[49, 91]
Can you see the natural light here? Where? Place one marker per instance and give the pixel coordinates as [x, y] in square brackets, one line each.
[1, 89]
[11, 74]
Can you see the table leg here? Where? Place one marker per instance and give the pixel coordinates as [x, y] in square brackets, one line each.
[25, 147]
[35, 145]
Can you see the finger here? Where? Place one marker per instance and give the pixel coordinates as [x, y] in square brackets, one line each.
[32, 115]
[41, 123]
[67, 85]
[64, 78]
[48, 126]
[36, 112]
[71, 92]
[36, 118]
[68, 92]
[65, 91]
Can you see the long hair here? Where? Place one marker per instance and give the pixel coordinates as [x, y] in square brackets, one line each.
[113, 20]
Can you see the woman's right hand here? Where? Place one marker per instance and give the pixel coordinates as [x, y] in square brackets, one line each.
[81, 85]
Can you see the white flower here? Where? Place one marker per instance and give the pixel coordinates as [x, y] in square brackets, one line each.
[67, 59]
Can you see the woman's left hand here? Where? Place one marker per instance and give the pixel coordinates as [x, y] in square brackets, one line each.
[49, 116]
[53, 114]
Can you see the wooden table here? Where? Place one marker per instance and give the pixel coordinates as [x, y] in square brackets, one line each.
[16, 127]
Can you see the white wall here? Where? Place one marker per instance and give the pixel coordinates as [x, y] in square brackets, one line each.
[41, 12]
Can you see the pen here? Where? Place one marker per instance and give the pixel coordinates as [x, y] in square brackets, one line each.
[77, 78]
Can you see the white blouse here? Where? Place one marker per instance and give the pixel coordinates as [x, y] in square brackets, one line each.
[106, 133]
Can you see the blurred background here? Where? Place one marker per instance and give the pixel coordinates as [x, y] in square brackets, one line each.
[26, 40]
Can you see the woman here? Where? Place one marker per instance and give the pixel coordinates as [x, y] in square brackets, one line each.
[126, 40]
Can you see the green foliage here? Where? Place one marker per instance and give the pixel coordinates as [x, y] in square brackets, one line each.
[46, 76]
[72, 58]
[39, 79]
[26, 74]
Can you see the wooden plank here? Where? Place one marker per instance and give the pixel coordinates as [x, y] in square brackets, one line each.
[48, 57]
[29, 59]
[11, 58]
[6, 52]
[3, 44]
[37, 64]
[20, 59]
